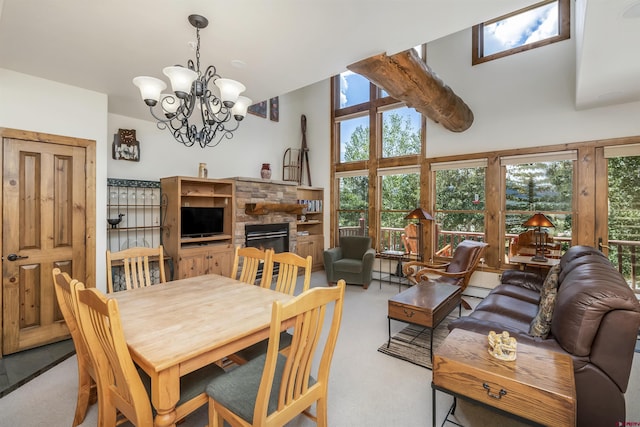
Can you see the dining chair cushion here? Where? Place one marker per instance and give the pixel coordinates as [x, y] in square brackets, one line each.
[237, 389]
[191, 384]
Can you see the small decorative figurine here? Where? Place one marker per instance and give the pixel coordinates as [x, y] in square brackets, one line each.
[502, 346]
[115, 221]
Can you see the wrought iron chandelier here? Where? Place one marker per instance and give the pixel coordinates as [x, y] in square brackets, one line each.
[193, 100]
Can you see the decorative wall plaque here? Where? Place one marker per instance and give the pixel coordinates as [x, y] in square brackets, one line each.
[125, 146]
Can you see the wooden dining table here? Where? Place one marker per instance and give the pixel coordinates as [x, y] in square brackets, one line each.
[177, 327]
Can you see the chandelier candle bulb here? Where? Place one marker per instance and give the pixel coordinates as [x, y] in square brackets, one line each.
[193, 113]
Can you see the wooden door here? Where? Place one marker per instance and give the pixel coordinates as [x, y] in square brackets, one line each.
[45, 225]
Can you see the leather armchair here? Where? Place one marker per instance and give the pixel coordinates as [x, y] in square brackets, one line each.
[351, 261]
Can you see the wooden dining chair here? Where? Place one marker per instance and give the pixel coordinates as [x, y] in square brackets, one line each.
[136, 266]
[289, 265]
[87, 392]
[251, 259]
[123, 390]
[243, 396]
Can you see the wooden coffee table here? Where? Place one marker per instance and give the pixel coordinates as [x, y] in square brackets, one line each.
[425, 304]
[538, 386]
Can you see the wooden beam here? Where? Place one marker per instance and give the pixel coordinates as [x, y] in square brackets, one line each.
[407, 78]
[265, 208]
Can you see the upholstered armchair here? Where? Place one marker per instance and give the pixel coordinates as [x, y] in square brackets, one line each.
[351, 261]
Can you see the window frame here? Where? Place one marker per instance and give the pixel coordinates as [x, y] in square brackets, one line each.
[434, 168]
[477, 33]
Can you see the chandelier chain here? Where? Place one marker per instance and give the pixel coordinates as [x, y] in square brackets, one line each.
[198, 51]
[195, 113]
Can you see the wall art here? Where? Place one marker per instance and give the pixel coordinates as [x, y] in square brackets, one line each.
[259, 109]
[274, 109]
[125, 146]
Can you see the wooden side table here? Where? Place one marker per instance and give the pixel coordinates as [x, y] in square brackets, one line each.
[425, 304]
[538, 386]
[524, 261]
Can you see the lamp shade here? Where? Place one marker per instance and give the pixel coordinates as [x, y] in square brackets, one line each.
[419, 214]
[538, 220]
[229, 91]
[181, 79]
[150, 88]
[239, 109]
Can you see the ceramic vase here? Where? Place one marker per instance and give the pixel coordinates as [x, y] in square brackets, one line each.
[265, 172]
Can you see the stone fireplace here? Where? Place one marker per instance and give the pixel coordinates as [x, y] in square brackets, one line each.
[255, 190]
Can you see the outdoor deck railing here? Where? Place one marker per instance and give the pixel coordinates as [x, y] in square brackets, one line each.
[625, 255]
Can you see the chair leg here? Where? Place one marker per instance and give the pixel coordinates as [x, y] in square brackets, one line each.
[85, 391]
[466, 305]
[321, 412]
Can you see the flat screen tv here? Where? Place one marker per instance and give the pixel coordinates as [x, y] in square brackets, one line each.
[201, 222]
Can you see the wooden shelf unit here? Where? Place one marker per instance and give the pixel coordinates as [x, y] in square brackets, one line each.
[195, 256]
[311, 231]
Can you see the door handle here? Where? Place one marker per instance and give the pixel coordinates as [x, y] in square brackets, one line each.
[14, 257]
[600, 245]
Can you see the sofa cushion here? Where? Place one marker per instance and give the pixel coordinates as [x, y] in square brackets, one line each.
[354, 247]
[518, 292]
[541, 324]
[348, 265]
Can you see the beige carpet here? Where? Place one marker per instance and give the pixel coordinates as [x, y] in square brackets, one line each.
[412, 343]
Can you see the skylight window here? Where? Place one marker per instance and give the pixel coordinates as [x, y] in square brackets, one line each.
[538, 25]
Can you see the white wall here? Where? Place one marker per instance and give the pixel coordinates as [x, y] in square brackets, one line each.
[258, 140]
[522, 100]
[34, 104]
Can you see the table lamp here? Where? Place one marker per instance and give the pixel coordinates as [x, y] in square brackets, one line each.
[539, 220]
[419, 214]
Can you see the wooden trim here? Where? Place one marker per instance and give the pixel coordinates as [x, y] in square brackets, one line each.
[477, 33]
[262, 208]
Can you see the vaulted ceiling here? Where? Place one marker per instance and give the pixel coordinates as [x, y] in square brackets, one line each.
[281, 45]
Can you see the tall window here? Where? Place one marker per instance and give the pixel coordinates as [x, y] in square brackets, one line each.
[623, 216]
[354, 89]
[540, 183]
[538, 25]
[460, 203]
[400, 195]
[352, 212]
[354, 139]
[401, 132]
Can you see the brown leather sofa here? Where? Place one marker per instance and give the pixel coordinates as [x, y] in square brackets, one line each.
[595, 320]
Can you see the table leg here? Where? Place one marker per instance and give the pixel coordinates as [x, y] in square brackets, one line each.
[431, 344]
[433, 406]
[389, 340]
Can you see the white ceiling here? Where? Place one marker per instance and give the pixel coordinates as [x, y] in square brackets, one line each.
[286, 44]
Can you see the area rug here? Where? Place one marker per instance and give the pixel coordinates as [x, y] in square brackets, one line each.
[412, 343]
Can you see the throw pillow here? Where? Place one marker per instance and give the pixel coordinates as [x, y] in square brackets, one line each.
[541, 324]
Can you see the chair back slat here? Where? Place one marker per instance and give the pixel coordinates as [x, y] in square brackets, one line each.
[289, 265]
[251, 259]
